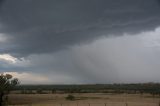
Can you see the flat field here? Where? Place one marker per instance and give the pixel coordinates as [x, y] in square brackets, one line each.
[84, 99]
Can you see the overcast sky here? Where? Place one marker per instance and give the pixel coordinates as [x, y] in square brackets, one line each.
[80, 41]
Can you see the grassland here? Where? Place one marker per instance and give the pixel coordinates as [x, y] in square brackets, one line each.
[84, 99]
[147, 94]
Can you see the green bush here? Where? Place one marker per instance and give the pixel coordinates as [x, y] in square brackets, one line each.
[39, 91]
[70, 97]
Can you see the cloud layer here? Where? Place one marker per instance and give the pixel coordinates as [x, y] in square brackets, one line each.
[122, 59]
[35, 26]
[80, 41]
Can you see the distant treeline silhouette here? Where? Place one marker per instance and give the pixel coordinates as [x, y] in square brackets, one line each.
[152, 88]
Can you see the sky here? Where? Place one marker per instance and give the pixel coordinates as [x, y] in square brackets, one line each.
[80, 41]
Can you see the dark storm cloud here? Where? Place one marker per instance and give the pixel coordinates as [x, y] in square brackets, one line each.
[38, 26]
[1, 2]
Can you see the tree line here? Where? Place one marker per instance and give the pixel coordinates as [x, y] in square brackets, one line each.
[152, 88]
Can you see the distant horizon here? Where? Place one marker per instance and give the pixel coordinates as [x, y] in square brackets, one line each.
[95, 83]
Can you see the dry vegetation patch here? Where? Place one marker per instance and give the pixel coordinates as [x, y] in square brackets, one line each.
[84, 98]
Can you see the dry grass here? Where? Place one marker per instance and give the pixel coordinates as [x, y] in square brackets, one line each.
[95, 99]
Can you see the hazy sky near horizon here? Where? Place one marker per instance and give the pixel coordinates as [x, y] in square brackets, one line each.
[80, 41]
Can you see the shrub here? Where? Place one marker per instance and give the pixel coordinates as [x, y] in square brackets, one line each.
[70, 97]
[39, 91]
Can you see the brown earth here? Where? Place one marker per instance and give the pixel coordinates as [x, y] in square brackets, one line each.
[84, 99]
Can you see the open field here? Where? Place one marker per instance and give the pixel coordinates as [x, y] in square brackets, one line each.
[84, 99]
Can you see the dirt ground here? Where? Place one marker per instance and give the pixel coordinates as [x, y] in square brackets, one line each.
[84, 99]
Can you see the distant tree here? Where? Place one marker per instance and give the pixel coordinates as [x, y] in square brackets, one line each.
[7, 83]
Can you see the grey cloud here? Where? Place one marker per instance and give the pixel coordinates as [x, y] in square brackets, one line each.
[121, 59]
[38, 26]
[82, 41]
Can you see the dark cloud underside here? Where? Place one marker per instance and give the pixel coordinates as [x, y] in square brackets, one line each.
[35, 26]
